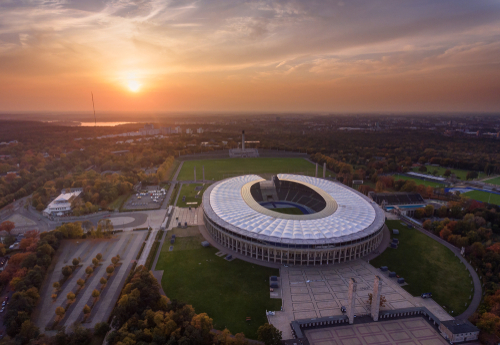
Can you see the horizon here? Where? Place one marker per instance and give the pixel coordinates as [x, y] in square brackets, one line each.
[250, 57]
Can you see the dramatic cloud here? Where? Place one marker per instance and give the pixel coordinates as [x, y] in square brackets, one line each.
[305, 55]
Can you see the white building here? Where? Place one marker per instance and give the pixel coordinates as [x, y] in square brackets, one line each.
[199, 130]
[62, 204]
[189, 131]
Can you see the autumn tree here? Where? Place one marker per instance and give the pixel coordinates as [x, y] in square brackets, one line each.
[80, 282]
[103, 281]
[7, 226]
[76, 262]
[99, 256]
[95, 294]
[60, 311]
[89, 271]
[67, 271]
[95, 262]
[109, 270]
[115, 260]
[56, 286]
[86, 311]
[269, 334]
[71, 297]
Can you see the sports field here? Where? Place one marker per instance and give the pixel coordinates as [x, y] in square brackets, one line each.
[287, 210]
[462, 174]
[484, 197]
[427, 266]
[418, 181]
[218, 169]
[495, 180]
[228, 292]
[190, 192]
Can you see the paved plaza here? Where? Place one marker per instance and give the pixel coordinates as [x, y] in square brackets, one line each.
[126, 244]
[320, 291]
[398, 332]
[184, 215]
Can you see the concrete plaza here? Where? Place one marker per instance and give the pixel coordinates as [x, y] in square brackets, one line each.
[320, 291]
[410, 331]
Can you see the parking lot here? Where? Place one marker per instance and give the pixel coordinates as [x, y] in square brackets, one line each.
[149, 198]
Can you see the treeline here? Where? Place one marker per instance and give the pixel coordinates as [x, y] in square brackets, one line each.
[143, 316]
[476, 227]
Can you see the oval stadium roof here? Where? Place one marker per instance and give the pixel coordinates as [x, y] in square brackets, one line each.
[352, 215]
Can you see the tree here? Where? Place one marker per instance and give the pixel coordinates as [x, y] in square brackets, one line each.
[71, 297]
[379, 187]
[99, 256]
[95, 294]
[28, 331]
[101, 328]
[60, 313]
[269, 334]
[95, 262]
[89, 271]
[488, 322]
[429, 210]
[103, 281]
[422, 168]
[80, 282]
[447, 173]
[7, 226]
[115, 260]
[56, 286]
[76, 262]
[109, 270]
[66, 271]
[86, 310]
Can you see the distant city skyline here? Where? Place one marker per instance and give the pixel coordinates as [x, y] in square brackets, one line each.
[264, 56]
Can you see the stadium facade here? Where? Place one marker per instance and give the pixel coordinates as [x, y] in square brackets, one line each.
[292, 219]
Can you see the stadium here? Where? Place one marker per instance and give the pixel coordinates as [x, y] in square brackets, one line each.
[292, 219]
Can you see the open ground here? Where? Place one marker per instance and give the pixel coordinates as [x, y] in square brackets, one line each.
[462, 174]
[218, 169]
[418, 181]
[228, 291]
[193, 193]
[495, 180]
[427, 266]
[478, 195]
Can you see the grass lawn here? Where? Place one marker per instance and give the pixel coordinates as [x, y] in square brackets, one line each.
[418, 181]
[462, 174]
[189, 191]
[227, 291]
[484, 197]
[495, 180]
[287, 210]
[219, 169]
[427, 266]
[118, 201]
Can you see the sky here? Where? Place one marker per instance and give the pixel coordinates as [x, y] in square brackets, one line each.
[231, 55]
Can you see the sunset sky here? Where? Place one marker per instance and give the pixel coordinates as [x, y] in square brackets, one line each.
[214, 55]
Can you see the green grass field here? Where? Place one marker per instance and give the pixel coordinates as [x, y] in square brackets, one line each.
[287, 210]
[418, 181]
[219, 169]
[118, 201]
[495, 180]
[484, 197]
[227, 291]
[427, 266]
[189, 191]
[462, 174]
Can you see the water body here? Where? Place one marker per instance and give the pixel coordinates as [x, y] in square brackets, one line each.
[101, 124]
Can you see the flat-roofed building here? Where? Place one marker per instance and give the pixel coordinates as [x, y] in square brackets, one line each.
[62, 204]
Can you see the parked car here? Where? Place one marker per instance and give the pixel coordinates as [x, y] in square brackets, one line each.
[426, 295]
[343, 309]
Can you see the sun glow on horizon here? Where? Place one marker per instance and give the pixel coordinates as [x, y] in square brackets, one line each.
[134, 85]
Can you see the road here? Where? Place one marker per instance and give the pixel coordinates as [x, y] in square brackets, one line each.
[476, 298]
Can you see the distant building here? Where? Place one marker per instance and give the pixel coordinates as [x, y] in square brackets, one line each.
[178, 130]
[457, 331]
[199, 130]
[62, 204]
[149, 129]
[122, 152]
[166, 130]
[189, 131]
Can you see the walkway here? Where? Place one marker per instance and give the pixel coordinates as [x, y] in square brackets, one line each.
[476, 299]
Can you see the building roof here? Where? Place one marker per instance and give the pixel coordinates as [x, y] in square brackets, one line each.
[458, 326]
[348, 216]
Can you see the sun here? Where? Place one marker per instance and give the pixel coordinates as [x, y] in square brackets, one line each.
[134, 85]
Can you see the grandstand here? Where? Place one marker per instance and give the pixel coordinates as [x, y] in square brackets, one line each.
[270, 193]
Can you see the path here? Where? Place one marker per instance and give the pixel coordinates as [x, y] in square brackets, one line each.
[172, 187]
[476, 299]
